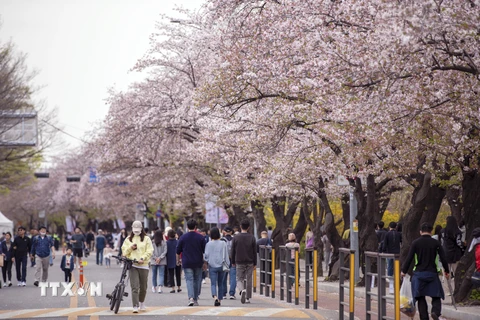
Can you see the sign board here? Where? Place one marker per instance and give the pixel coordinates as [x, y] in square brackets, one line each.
[343, 181]
[158, 214]
[18, 128]
[41, 214]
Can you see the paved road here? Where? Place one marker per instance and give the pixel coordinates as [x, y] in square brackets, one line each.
[27, 302]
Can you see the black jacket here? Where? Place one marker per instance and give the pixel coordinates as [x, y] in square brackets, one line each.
[391, 242]
[244, 249]
[21, 246]
[424, 251]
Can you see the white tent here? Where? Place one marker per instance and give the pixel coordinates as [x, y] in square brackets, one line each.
[6, 225]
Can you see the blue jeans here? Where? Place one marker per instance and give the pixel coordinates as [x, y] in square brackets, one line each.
[158, 270]
[216, 279]
[389, 267]
[99, 256]
[193, 278]
[233, 282]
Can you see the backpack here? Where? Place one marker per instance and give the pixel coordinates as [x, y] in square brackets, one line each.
[229, 245]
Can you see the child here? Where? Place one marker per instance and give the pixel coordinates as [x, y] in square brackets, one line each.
[68, 265]
[108, 255]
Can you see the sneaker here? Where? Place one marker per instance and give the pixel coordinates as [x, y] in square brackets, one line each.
[154, 289]
[19, 284]
[243, 295]
[35, 284]
[24, 283]
[191, 303]
[195, 303]
[172, 291]
[143, 307]
[204, 281]
[231, 298]
[435, 317]
[179, 290]
[9, 283]
[159, 290]
[247, 300]
[135, 309]
[217, 303]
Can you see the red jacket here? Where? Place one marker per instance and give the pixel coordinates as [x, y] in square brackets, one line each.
[477, 256]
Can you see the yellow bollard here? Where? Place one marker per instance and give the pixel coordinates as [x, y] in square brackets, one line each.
[254, 279]
[315, 278]
[352, 284]
[396, 274]
[297, 278]
[273, 273]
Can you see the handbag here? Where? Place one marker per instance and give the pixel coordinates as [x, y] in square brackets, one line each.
[1, 260]
[225, 266]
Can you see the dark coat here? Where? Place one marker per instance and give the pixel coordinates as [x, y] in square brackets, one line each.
[452, 245]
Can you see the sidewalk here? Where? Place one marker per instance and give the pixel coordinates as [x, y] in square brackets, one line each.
[448, 311]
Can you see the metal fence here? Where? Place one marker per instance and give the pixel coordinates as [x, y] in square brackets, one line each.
[290, 275]
[375, 267]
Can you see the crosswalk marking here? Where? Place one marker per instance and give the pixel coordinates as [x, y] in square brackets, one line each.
[155, 311]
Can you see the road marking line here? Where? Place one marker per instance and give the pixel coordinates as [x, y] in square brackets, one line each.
[74, 313]
[91, 301]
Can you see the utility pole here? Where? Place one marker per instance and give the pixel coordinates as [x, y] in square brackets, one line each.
[354, 230]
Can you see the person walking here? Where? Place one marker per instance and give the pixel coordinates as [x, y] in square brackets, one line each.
[6, 249]
[100, 244]
[392, 242]
[244, 258]
[425, 280]
[192, 246]
[68, 265]
[232, 274]
[216, 255]
[138, 246]
[78, 241]
[21, 249]
[292, 244]
[327, 252]
[452, 243]
[90, 240]
[159, 261]
[42, 246]
[174, 265]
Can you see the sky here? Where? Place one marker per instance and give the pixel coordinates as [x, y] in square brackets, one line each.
[81, 49]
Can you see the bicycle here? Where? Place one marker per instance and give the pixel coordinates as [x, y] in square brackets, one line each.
[118, 292]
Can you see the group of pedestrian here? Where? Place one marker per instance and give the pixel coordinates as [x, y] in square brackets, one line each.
[446, 247]
[224, 254]
[39, 248]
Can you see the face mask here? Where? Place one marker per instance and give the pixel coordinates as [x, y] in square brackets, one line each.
[43, 233]
[137, 233]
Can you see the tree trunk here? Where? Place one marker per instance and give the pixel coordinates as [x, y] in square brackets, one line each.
[301, 226]
[316, 227]
[282, 222]
[471, 206]
[454, 194]
[259, 216]
[426, 201]
[330, 229]
[368, 211]
[346, 211]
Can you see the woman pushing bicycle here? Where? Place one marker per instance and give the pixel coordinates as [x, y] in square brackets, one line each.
[138, 246]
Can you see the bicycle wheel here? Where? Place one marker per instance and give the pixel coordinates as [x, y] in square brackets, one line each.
[119, 297]
[113, 298]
